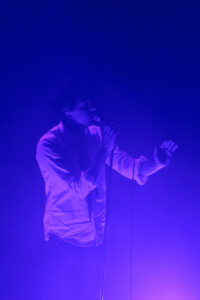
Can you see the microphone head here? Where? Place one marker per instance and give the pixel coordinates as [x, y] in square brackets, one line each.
[97, 119]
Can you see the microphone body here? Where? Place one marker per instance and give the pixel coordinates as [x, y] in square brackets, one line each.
[119, 131]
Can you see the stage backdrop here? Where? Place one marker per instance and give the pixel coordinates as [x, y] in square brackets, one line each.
[142, 63]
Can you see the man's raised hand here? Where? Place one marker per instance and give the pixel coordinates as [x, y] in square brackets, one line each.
[164, 152]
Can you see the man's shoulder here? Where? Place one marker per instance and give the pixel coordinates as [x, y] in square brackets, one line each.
[50, 138]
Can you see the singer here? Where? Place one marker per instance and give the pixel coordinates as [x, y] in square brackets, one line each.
[72, 158]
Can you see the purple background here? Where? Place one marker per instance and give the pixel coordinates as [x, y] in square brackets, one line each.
[142, 61]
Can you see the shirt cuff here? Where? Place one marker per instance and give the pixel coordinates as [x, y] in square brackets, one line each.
[141, 180]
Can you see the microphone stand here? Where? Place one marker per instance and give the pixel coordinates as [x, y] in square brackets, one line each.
[131, 234]
[108, 198]
[104, 267]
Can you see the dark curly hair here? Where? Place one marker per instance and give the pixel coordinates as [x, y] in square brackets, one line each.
[67, 93]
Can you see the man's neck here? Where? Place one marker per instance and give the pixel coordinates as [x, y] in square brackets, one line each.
[72, 127]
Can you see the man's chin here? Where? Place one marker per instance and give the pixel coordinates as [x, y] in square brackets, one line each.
[93, 122]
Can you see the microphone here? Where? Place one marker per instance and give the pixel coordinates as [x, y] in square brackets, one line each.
[98, 121]
[121, 132]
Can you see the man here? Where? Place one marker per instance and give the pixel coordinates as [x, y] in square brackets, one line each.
[72, 158]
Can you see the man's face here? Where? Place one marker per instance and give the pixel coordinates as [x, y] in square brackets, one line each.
[84, 113]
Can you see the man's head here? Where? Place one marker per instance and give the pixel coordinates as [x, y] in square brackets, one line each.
[73, 101]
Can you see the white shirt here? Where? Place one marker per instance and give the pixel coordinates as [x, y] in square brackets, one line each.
[76, 207]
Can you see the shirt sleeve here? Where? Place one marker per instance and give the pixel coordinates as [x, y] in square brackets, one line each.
[141, 180]
[128, 166]
[54, 165]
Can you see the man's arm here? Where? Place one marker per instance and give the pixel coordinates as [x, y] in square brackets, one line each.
[162, 157]
[140, 168]
[54, 164]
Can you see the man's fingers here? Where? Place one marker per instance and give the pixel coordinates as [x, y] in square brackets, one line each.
[171, 144]
[107, 129]
[168, 145]
[170, 151]
[174, 148]
[165, 144]
[110, 132]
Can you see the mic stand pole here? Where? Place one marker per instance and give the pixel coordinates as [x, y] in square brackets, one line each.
[131, 235]
[104, 267]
